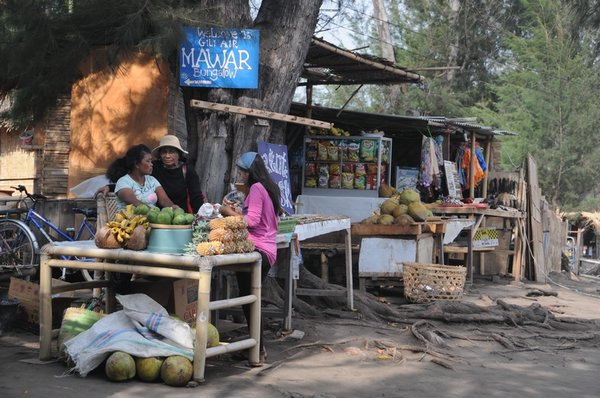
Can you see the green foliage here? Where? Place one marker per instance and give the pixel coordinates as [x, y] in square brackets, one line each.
[44, 43]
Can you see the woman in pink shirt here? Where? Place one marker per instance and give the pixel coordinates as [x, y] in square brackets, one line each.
[261, 207]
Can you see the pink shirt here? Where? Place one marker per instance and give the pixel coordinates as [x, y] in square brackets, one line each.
[262, 221]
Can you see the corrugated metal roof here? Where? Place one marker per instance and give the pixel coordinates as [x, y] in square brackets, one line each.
[328, 64]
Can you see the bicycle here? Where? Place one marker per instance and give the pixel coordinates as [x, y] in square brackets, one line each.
[18, 242]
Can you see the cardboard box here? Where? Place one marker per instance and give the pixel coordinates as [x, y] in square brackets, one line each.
[185, 295]
[28, 294]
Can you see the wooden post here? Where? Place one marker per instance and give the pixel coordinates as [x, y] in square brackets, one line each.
[202, 314]
[45, 309]
[349, 286]
[254, 323]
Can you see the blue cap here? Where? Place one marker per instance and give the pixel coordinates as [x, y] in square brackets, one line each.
[245, 161]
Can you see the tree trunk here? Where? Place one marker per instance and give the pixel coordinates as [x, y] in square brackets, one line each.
[217, 139]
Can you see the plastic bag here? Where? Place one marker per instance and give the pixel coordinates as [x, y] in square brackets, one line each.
[88, 188]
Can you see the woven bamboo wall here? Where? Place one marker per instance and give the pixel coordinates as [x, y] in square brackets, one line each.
[16, 162]
[57, 142]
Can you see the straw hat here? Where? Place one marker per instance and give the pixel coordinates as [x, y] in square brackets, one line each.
[168, 140]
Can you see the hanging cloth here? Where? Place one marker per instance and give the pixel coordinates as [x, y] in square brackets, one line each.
[466, 165]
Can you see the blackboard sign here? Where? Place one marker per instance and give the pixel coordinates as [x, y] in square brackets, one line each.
[213, 57]
[452, 180]
[276, 159]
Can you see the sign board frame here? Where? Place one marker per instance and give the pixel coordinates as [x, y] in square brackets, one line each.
[219, 58]
[275, 157]
[452, 180]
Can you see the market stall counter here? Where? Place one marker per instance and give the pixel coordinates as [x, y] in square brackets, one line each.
[155, 264]
[477, 214]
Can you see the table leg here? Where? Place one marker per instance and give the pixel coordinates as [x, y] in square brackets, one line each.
[45, 309]
[289, 280]
[201, 325]
[255, 318]
[349, 282]
[470, 255]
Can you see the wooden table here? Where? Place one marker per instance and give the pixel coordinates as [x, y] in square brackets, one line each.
[393, 244]
[478, 214]
[310, 226]
[155, 264]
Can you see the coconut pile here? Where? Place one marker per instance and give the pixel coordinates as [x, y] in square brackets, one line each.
[402, 208]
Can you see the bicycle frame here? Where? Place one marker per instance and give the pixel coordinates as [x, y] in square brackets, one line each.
[40, 221]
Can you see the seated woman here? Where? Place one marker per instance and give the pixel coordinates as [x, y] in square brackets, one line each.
[135, 184]
[261, 208]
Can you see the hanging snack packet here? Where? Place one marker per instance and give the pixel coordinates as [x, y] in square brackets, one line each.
[311, 150]
[360, 169]
[333, 152]
[348, 168]
[335, 181]
[385, 152]
[311, 169]
[360, 182]
[348, 180]
[371, 181]
[322, 150]
[323, 181]
[334, 169]
[311, 182]
[367, 151]
[343, 149]
[354, 151]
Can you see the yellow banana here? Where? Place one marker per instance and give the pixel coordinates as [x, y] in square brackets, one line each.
[119, 217]
[124, 224]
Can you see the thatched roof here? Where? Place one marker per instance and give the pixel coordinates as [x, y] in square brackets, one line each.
[6, 125]
[584, 219]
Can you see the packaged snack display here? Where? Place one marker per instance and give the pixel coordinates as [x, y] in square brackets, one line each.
[333, 152]
[322, 148]
[343, 149]
[348, 180]
[333, 163]
[367, 150]
[371, 181]
[323, 181]
[311, 150]
[360, 169]
[335, 169]
[311, 182]
[360, 182]
[335, 181]
[354, 151]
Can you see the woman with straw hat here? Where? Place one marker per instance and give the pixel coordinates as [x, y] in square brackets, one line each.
[180, 182]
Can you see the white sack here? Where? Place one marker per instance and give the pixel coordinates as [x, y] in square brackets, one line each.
[124, 331]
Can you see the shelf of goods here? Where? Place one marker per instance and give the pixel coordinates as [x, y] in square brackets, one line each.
[345, 166]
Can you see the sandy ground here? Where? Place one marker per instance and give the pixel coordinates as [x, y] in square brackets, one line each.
[351, 358]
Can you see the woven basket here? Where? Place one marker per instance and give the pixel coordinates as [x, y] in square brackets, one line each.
[424, 283]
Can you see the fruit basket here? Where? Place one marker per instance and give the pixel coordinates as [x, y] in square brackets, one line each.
[424, 283]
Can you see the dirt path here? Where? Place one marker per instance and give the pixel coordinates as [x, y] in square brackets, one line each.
[351, 358]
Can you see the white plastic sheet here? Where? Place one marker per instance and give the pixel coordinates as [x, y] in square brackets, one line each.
[142, 329]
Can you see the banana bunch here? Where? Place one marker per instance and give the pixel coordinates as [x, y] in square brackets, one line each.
[339, 132]
[124, 224]
[126, 213]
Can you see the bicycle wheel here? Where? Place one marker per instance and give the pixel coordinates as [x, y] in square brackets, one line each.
[18, 245]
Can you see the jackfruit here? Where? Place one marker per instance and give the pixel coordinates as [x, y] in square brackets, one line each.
[386, 191]
[388, 206]
[399, 210]
[404, 220]
[417, 211]
[386, 219]
[408, 196]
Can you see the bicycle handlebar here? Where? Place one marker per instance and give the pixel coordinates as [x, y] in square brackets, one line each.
[22, 189]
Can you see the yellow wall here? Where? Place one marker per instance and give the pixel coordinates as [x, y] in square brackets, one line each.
[113, 110]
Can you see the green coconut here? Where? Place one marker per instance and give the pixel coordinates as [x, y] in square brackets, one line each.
[176, 371]
[404, 220]
[386, 219]
[148, 369]
[120, 366]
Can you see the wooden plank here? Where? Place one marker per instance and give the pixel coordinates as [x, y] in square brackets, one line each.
[259, 113]
[535, 219]
[375, 229]
[320, 292]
